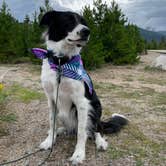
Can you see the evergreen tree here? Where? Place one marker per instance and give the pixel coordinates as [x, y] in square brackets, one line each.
[154, 44]
[7, 27]
[26, 34]
[162, 44]
[43, 9]
[134, 34]
[109, 31]
[92, 54]
[111, 40]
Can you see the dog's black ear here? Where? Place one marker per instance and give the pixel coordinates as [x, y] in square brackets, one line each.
[48, 18]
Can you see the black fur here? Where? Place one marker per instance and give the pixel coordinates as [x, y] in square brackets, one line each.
[112, 125]
[60, 23]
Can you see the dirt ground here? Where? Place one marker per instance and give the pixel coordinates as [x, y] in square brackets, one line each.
[138, 92]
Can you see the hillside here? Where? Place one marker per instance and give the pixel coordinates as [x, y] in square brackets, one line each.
[149, 35]
[162, 32]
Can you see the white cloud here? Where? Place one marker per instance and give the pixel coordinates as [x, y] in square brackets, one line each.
[144, 13]
[74, 5]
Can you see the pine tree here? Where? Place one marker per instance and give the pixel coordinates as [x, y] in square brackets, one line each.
[110, 33]
[92, 54]
[43, 9]
[7, 25]
[162, 44]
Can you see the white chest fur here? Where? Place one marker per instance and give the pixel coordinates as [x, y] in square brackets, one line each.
[70, 90]
[68, 86]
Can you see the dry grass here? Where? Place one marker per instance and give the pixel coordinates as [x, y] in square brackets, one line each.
[17, 93]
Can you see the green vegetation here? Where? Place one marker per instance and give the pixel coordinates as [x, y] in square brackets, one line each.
[152, 69]
[142, 141]
[8, 118]
[134, 143]
[106, 86]
[160, 99]
[16, 93]
[3, 98]
[153, 44]
[113, 39]
[16, 38]
[5, 116]
[24, 94]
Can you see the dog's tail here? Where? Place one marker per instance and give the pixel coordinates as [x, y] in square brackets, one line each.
[114, 124]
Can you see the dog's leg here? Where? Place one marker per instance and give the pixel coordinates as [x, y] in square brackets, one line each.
[82, 113]
[48, 141]
[101, 143]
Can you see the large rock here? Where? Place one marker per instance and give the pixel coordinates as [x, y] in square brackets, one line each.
[160, 62]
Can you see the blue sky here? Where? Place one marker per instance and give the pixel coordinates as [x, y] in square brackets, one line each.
[145, 13]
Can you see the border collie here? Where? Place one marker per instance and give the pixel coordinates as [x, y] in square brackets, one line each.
[78, 109]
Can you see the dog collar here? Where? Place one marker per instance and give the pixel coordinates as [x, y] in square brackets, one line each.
[71, 68]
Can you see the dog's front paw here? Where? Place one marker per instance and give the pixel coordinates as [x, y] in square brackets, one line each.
[102, 144]
[77, 157]
[46, 144]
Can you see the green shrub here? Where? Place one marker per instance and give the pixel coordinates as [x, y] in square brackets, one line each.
[112, 38]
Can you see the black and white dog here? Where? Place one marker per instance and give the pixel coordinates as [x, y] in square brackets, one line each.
[80, 111]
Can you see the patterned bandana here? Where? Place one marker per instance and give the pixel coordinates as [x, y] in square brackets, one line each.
[72, 69]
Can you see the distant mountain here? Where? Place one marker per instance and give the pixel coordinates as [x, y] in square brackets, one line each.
[162, 32]
[149, 35]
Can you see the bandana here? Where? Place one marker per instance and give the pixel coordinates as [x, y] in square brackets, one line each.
[73, 68]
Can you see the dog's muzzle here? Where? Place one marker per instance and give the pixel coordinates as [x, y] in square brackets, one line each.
[84, 34]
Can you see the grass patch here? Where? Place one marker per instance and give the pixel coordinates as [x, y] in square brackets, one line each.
[18, 93]
[106, 86]
[3, 101]
[117, 91]
[122, 108]
[129, 79]
[3, 98]
[3, 112]
[129, 95]
[159, 99]
[151, 80]
[106, 111]
[139, 162]
[148, 91]
[153, 69]
[144, 94]
[8, 118]
[105, 90]
[160, 109]
[133, 142]
[115, 152]
[24, 94]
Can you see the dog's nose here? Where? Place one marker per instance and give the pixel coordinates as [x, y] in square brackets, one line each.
[84, 33]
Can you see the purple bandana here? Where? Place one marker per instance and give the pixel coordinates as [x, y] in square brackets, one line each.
[72, 69]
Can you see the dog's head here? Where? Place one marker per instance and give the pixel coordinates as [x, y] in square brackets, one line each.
[67, 26]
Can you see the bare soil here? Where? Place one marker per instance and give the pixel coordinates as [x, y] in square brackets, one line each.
[138, 92]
